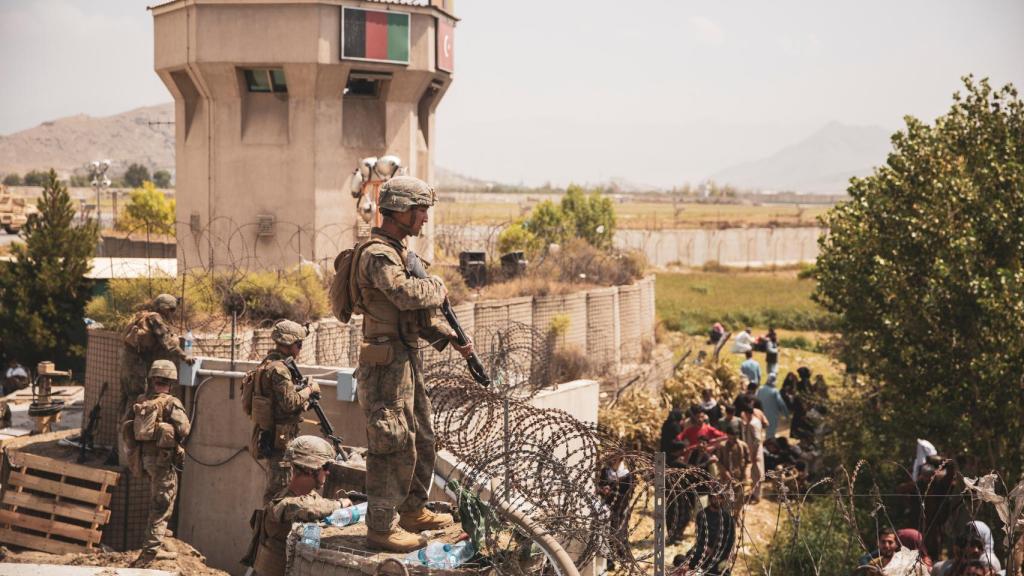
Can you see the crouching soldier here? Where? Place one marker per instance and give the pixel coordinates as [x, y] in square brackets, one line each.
[154, 433]
[308, 457]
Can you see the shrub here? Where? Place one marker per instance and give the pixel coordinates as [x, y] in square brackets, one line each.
[147, 211]
[570, 363]
[818, 541]
[297, 294]
[12, 179]
[35, 178]
[516, 238]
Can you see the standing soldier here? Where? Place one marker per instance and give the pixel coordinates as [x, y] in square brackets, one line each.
[308, 457]
[159, 425]
[278, 399]
[148, 338]
[398, 309]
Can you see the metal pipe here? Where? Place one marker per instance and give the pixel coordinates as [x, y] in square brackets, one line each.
[235, 374]
[555, 552]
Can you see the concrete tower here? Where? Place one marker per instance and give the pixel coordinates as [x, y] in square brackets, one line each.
[277, 101]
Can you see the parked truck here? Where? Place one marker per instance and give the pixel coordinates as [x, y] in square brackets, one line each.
[14, 211]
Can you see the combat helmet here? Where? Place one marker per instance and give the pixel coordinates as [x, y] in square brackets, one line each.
[310, 452]
[164, 302]
[401, 193]
[163, 369]
[286, 332]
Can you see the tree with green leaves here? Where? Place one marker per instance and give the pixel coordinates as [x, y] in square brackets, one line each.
[43, 291]
[148, 210]
[35, 178]
[135, 175]
[12, 179]
[923, 266]
[592, 215]
[162, 179]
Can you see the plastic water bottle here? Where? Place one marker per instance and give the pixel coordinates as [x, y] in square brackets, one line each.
[435, 555]
[189, 341]
[311, 535]
[347, 515]
[460, 552]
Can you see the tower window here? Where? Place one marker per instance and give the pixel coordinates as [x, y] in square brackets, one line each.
[265, 80]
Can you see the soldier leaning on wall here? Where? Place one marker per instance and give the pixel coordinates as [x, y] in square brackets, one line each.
[308, 457]
[398, 309]
[276, 399]
[153, 436]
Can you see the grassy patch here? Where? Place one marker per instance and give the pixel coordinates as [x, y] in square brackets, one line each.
[692, 302]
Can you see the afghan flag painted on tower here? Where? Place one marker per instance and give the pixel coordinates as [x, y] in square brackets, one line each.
[375, 35]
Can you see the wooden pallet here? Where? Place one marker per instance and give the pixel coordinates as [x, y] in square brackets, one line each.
[54, 506]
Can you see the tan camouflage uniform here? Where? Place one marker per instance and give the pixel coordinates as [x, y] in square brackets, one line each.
[162, 345]
[284, 509]
[158, 466]
[398, 310]
[288, 405]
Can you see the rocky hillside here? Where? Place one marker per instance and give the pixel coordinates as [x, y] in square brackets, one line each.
[68, 144]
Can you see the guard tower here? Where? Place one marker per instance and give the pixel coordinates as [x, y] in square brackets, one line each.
[276, 103]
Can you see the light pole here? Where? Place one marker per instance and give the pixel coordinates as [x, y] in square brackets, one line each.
[99, 182]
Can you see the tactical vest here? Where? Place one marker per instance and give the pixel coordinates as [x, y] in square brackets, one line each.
[382, 320]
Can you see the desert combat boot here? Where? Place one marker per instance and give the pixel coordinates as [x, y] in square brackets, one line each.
[423, 519]
[397, 540]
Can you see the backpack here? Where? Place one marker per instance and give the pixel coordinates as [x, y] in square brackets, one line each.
[147, 417]
[345, 295]
[137, 336]
[255, 402]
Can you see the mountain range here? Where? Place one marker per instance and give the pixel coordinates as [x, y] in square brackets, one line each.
[821, 163]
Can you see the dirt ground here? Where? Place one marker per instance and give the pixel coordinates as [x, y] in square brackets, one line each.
[188, 563]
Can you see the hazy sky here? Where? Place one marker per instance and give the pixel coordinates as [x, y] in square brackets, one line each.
[658, 92]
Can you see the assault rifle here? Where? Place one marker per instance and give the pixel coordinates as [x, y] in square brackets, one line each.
[87, 441]
[476, 368]
[314, 404]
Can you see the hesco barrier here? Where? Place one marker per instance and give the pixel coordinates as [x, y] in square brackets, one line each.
[103, 364]
[262, 344]
[465, 313]
[494, 316]
[610, 324]
[603, 336]
[647, 313]
[219, 345]
[332, 343]
[569, 310]
[629, 324]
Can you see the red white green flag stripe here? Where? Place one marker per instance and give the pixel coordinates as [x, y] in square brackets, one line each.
[375, 35]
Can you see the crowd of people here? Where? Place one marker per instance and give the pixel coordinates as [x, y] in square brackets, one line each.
[728, 447]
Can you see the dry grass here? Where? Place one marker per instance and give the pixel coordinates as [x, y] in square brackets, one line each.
[647, 215]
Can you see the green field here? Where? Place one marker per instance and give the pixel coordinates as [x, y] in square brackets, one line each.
[692, 302]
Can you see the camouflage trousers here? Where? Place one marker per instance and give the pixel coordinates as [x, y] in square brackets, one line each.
[399, 435]
[278, 476]
[163, 489]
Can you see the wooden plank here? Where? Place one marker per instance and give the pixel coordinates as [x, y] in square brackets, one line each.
[48, 526]
[40, 504]
[23, 540]
[65, 490]
[97, 475]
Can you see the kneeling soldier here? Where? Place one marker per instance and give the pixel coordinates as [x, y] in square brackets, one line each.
[308, 457]
[158, 426]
